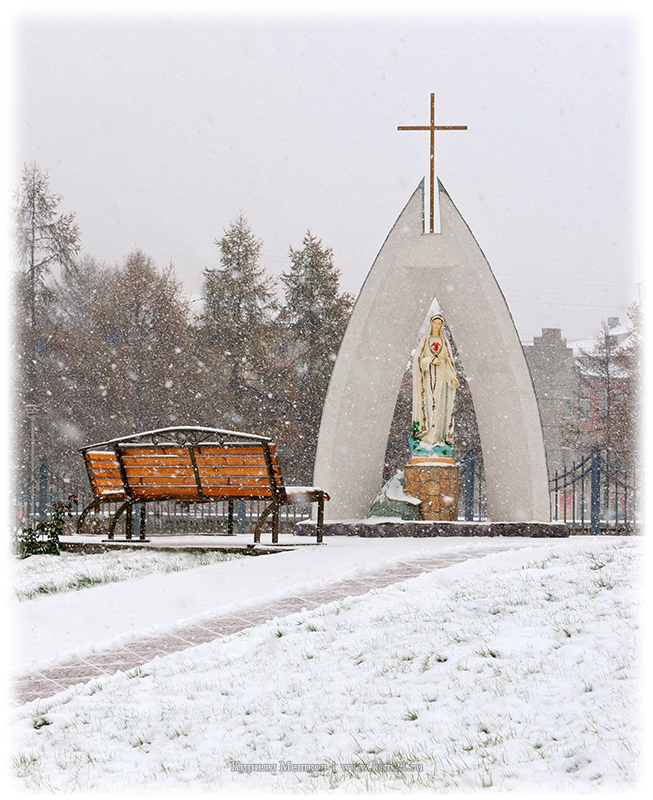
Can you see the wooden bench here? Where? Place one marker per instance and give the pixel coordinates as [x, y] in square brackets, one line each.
[194, 465]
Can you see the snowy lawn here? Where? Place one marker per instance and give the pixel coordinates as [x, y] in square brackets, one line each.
[515, 672]
[51, 628]
[69, 572]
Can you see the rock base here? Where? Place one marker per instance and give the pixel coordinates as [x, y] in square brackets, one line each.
[436, 487]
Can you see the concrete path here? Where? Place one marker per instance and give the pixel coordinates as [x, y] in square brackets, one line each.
[47, 682]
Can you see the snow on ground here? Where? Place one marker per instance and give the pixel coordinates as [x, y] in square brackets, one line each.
[516, 671]
[68, 572]
[58, 626]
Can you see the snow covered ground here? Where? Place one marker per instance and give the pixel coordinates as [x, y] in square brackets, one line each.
[52, 627]
[70, 572]
[515, 671]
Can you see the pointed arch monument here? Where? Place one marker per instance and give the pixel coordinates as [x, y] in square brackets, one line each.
[411, 269]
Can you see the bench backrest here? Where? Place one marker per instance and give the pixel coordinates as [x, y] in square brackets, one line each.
[192, 472]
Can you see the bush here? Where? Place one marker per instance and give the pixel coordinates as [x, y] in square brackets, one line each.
[43, 538]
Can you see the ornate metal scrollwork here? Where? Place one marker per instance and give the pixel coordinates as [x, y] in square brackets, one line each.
[186, 436]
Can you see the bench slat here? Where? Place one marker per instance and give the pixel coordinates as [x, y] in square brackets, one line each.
[211, 472]
[156, 463]
[238, 480]
[188, 481]
[172, 472]
[145, 471]
[180, 493]
[104, 466]
[107, 480]
[229, 460]
[166, 461]
[215, 493]
[155, 480]
[161, 461]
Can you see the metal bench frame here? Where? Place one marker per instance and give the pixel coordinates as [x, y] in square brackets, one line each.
[116, 482]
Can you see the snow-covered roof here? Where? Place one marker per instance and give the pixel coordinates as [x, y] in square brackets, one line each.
[580, 346]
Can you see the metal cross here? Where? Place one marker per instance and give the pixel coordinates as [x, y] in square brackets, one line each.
[432, 128]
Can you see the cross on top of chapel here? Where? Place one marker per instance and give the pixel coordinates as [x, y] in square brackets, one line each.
[432, 128]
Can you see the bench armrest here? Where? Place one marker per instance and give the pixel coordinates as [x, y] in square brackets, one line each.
[305, 494]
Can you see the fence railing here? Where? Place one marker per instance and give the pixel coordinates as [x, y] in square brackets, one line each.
[46, 487]
[596, 497]
[178, 517]
[471, 489]
[591, 496]
[43, 488]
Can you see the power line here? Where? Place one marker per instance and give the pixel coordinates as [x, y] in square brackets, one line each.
[570, 305]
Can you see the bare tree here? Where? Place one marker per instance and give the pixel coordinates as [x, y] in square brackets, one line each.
[603, 377]
[43, 237]
[142, 343]
[631, 360]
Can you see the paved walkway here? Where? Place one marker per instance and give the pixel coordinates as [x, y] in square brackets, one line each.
[50, 681]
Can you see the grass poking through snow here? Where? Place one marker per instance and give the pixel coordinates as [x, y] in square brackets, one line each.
[513, 679]
[71, 572]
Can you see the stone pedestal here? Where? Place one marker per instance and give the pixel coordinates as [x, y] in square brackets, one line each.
[437, 487]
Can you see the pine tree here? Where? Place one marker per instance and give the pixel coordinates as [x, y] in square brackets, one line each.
[237, 330]
[397, 452]
[314, 318]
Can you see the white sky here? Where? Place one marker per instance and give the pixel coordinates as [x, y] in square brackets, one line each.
[159, 129]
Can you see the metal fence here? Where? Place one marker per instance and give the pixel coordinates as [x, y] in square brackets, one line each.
[593, 496]
[45, 487]
[167, 517]
[471, 489]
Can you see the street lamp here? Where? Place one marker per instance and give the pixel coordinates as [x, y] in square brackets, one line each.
[32, 412]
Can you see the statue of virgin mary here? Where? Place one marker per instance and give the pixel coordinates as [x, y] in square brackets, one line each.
[434, 393]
